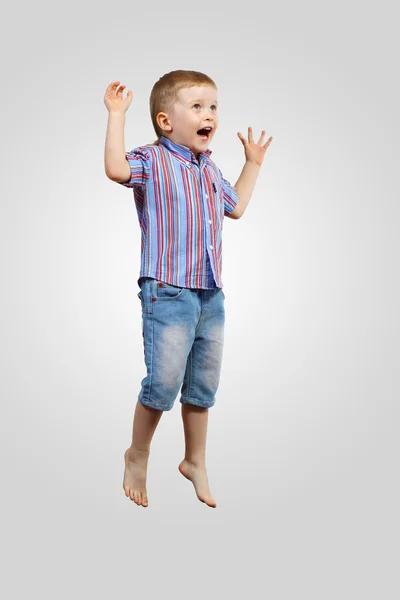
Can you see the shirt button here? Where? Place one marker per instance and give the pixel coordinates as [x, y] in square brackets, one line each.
[206, 196]
[211, 247]
[209, 220]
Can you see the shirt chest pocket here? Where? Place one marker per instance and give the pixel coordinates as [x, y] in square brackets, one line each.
[218, 202]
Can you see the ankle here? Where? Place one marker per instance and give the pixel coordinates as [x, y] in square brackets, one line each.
[133, 450]
[198, 461]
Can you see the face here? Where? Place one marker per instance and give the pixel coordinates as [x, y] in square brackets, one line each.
[195, 108]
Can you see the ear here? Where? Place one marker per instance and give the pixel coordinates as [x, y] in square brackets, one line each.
[163, 121]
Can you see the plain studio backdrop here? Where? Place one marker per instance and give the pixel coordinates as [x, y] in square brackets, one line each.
[302, 450]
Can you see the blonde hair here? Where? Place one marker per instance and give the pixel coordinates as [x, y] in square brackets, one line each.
[165, 93]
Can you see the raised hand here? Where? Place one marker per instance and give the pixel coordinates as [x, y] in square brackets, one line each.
[113, 98]
[254, 152]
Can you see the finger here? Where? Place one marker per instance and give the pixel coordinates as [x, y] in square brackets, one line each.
[242, 138]
[267, 143]
[261, 137]
[120, 89]
[251, 136]
[114, 87]
[110, 87]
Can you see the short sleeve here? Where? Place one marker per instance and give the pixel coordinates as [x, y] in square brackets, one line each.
[230, 195]
[140, 163]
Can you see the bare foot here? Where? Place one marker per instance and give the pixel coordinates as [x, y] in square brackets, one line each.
[135, 476]
[198, 476]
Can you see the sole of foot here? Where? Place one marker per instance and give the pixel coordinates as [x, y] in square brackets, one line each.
[198, 476]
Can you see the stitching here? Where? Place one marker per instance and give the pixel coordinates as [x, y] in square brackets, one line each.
[190, 370]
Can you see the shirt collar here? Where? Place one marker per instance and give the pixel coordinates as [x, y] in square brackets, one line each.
[183, 152]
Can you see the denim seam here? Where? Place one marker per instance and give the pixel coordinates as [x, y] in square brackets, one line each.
[152, 404]
[190, 369]
[152, 340]
[196, 401]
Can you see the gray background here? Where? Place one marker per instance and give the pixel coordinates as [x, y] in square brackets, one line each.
[303, 440]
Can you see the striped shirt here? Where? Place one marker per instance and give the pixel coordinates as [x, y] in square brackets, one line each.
[181, 204]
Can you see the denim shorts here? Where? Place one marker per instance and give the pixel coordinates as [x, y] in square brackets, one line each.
[183, 338]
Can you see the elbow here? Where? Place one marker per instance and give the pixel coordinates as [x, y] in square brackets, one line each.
[237, 212]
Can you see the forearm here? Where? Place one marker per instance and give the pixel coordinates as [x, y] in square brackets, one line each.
[246, 182]
[114, 152]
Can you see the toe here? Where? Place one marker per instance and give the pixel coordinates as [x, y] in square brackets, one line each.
[145, 501]
[131, 494]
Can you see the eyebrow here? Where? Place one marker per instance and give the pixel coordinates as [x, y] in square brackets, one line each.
[201, 100]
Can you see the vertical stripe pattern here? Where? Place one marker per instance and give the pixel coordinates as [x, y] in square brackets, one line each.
[181, 204]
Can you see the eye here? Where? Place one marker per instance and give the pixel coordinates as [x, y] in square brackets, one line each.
[197, 104]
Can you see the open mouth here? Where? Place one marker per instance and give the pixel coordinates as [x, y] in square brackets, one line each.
[204, 133]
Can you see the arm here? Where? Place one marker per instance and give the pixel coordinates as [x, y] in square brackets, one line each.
[116, 166]
[255, 153]
[245, 186]
[115, 163]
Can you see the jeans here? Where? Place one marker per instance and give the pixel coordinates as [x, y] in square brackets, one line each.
[183, 338]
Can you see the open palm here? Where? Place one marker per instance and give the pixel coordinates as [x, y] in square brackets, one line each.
[255, 152]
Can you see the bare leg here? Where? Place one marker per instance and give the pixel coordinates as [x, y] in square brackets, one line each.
[193, 466]
[136, 456]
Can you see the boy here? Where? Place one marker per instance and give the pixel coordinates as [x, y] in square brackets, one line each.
[181, 199]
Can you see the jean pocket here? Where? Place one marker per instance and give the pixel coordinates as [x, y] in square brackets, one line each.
[145, 308]
[167, 291]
